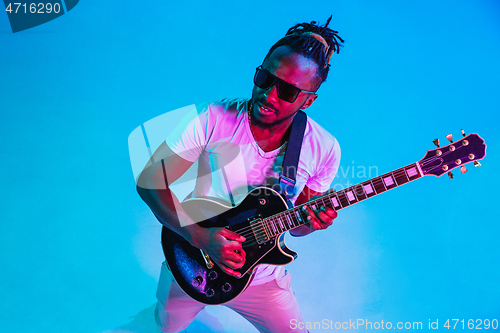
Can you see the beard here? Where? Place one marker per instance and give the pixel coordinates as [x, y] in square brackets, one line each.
[260, 120]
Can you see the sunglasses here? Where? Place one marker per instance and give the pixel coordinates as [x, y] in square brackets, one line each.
[286, 91]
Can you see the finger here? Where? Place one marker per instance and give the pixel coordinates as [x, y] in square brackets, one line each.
[235, 247]
[314, 223]
[325, 218]
[312, 218]
[241, 253]
[320, 219]
[328, 211]
[232, 264]
[324, 215]
[229, 270]
[230, 235]
[235, 256]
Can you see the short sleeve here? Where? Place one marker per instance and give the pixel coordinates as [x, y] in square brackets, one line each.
[189, 137]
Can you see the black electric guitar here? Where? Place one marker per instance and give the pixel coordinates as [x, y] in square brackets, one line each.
[263, 217]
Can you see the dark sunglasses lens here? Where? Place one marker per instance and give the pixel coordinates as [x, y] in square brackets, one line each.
[262, 79]
[287, 92]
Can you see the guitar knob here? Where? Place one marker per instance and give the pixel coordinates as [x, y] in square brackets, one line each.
[477, 164]
[463, 133]
[450, 175]
[212, 275]
[209, 292]
[226, 287]
[463, 169]
[197, 281]
[436, 142]
[449, 137]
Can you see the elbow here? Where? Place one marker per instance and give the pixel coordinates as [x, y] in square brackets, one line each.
[143, 185]
[151, 194]
[141, 191]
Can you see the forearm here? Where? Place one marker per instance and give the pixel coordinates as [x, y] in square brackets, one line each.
[221, 244]
[167, 209]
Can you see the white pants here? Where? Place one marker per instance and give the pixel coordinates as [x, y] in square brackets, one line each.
[269, 307]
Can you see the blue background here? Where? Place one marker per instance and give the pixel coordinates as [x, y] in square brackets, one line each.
[80, 251]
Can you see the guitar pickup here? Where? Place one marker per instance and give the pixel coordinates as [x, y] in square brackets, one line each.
[259, 231]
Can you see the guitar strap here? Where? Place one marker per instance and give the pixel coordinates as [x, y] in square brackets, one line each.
[292, 154]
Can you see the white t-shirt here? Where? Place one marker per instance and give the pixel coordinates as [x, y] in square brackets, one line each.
[230, 162]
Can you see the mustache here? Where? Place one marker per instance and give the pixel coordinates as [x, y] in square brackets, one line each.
[268, 106]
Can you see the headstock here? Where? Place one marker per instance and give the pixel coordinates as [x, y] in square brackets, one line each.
[441, 160]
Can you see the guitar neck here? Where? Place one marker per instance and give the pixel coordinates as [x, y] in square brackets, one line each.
[295, 217]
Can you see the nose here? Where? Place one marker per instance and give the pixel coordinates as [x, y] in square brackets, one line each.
[271, 94]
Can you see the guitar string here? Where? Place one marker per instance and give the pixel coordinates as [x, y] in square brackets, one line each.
[444, 154]
[249, 231]
[273, 226]
[280, 220]
[268, 222]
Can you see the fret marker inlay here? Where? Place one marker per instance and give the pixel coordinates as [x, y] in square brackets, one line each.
[350, 196]
[411, 172]
[368, 188]
[335, 202]
[388, 181]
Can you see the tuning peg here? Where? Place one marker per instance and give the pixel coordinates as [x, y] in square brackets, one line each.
[477, 164]
[463, 133]
[449, 137]
[450, 175]
[436, 142]
[463, 169]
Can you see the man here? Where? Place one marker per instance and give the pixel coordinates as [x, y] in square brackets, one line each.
[256, 131]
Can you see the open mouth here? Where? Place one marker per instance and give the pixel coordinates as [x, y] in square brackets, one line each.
[266, 109]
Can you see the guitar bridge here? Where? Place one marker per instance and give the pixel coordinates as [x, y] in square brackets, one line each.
[259, 231]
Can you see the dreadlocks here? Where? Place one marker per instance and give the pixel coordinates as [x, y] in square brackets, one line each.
[301, 39]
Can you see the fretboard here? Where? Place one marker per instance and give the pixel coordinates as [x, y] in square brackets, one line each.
[295, 217]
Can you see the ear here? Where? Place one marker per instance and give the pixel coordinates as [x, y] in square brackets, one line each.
[309, 101]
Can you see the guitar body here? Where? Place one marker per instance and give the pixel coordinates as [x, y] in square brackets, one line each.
[213, 285]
